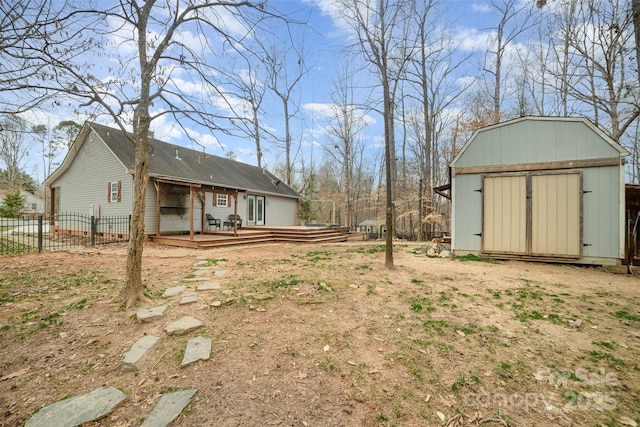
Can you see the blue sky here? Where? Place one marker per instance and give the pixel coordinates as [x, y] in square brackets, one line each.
[325, 37]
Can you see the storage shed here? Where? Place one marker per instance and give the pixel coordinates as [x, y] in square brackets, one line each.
[540, 188]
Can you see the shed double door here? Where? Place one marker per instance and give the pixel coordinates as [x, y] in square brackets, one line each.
[535, 214]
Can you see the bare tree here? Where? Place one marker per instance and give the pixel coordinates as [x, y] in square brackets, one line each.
[244, 94]
[15, 143]
[431, 74]
[382, 29]
[345, 146]
[152, 46]
[286, 66]
[514, 18]
[602, 43]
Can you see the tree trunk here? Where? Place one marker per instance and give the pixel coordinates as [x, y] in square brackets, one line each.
[133, 290]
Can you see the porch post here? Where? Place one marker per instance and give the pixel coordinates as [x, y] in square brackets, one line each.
[235, 213]
[157, 185]
[191, 212]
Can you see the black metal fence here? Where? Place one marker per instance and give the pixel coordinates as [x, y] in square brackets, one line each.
[63, 231]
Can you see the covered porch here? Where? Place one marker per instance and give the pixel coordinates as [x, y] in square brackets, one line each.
[166, 187]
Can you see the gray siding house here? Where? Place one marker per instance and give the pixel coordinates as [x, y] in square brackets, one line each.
[96, 177]
[540, 188]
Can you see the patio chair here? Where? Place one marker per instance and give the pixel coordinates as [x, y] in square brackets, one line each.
[212, 222]
[229, 222]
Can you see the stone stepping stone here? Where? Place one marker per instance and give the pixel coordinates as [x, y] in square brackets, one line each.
[172, 292]
[220, 273]
[194, 279]
[184, 325]
[198, 348]
[79, 409]
[188, 299]
[201, 264]
[209, 286]
[151, 314]
[201, 271]
[138, 353]
[168, 408]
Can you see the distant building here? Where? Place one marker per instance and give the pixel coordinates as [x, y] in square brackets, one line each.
[374, 228]
[33, 204]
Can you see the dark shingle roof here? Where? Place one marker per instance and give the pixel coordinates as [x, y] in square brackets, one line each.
[193, 166]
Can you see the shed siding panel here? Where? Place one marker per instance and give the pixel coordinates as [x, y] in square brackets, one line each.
[85, 182]
[466, 213]
[601, 204]
[504, 214]
[556, 215]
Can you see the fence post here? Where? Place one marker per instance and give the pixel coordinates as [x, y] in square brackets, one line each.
[39, 233]
[93, 230]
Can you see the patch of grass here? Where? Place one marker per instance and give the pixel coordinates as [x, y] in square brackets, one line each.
[525, 316]
[421, 304]
[381, 418]
[78, 305]
[623, 314]
[14, 248]
[373, 249]
[363, 267]
[468, 330]
[599, 356]
[52, 319]
[416, 281]
[437, 326]
[290, 349]
[329, 365]
[463, 381]
[472, 257]
[371, 289]
[316, 256]
[282, 283]
[178, 354]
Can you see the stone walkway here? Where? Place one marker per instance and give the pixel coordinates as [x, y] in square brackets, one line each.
[102, 401]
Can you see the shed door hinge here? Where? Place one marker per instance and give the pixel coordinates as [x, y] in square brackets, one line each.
[478, 234]
[587, 244]
[478, 190]
[586, 191]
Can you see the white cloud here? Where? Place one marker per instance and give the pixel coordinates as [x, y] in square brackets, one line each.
[480, 7]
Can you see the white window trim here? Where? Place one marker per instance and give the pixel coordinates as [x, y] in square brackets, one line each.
[220, 198]
[114, 191]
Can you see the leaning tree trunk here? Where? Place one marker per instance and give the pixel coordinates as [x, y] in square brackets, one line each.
[133, 289]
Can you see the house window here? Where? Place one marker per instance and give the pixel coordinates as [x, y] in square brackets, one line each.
[114, 194]
[222, 200]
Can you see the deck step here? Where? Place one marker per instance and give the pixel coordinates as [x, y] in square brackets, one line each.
[254, 235]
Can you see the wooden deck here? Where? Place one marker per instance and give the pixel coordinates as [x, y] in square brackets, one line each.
[252, 235]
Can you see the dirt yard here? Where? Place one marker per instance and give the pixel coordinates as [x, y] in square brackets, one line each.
[324, 335]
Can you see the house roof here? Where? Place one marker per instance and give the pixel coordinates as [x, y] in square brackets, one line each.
[606, 138]
[176, 163]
